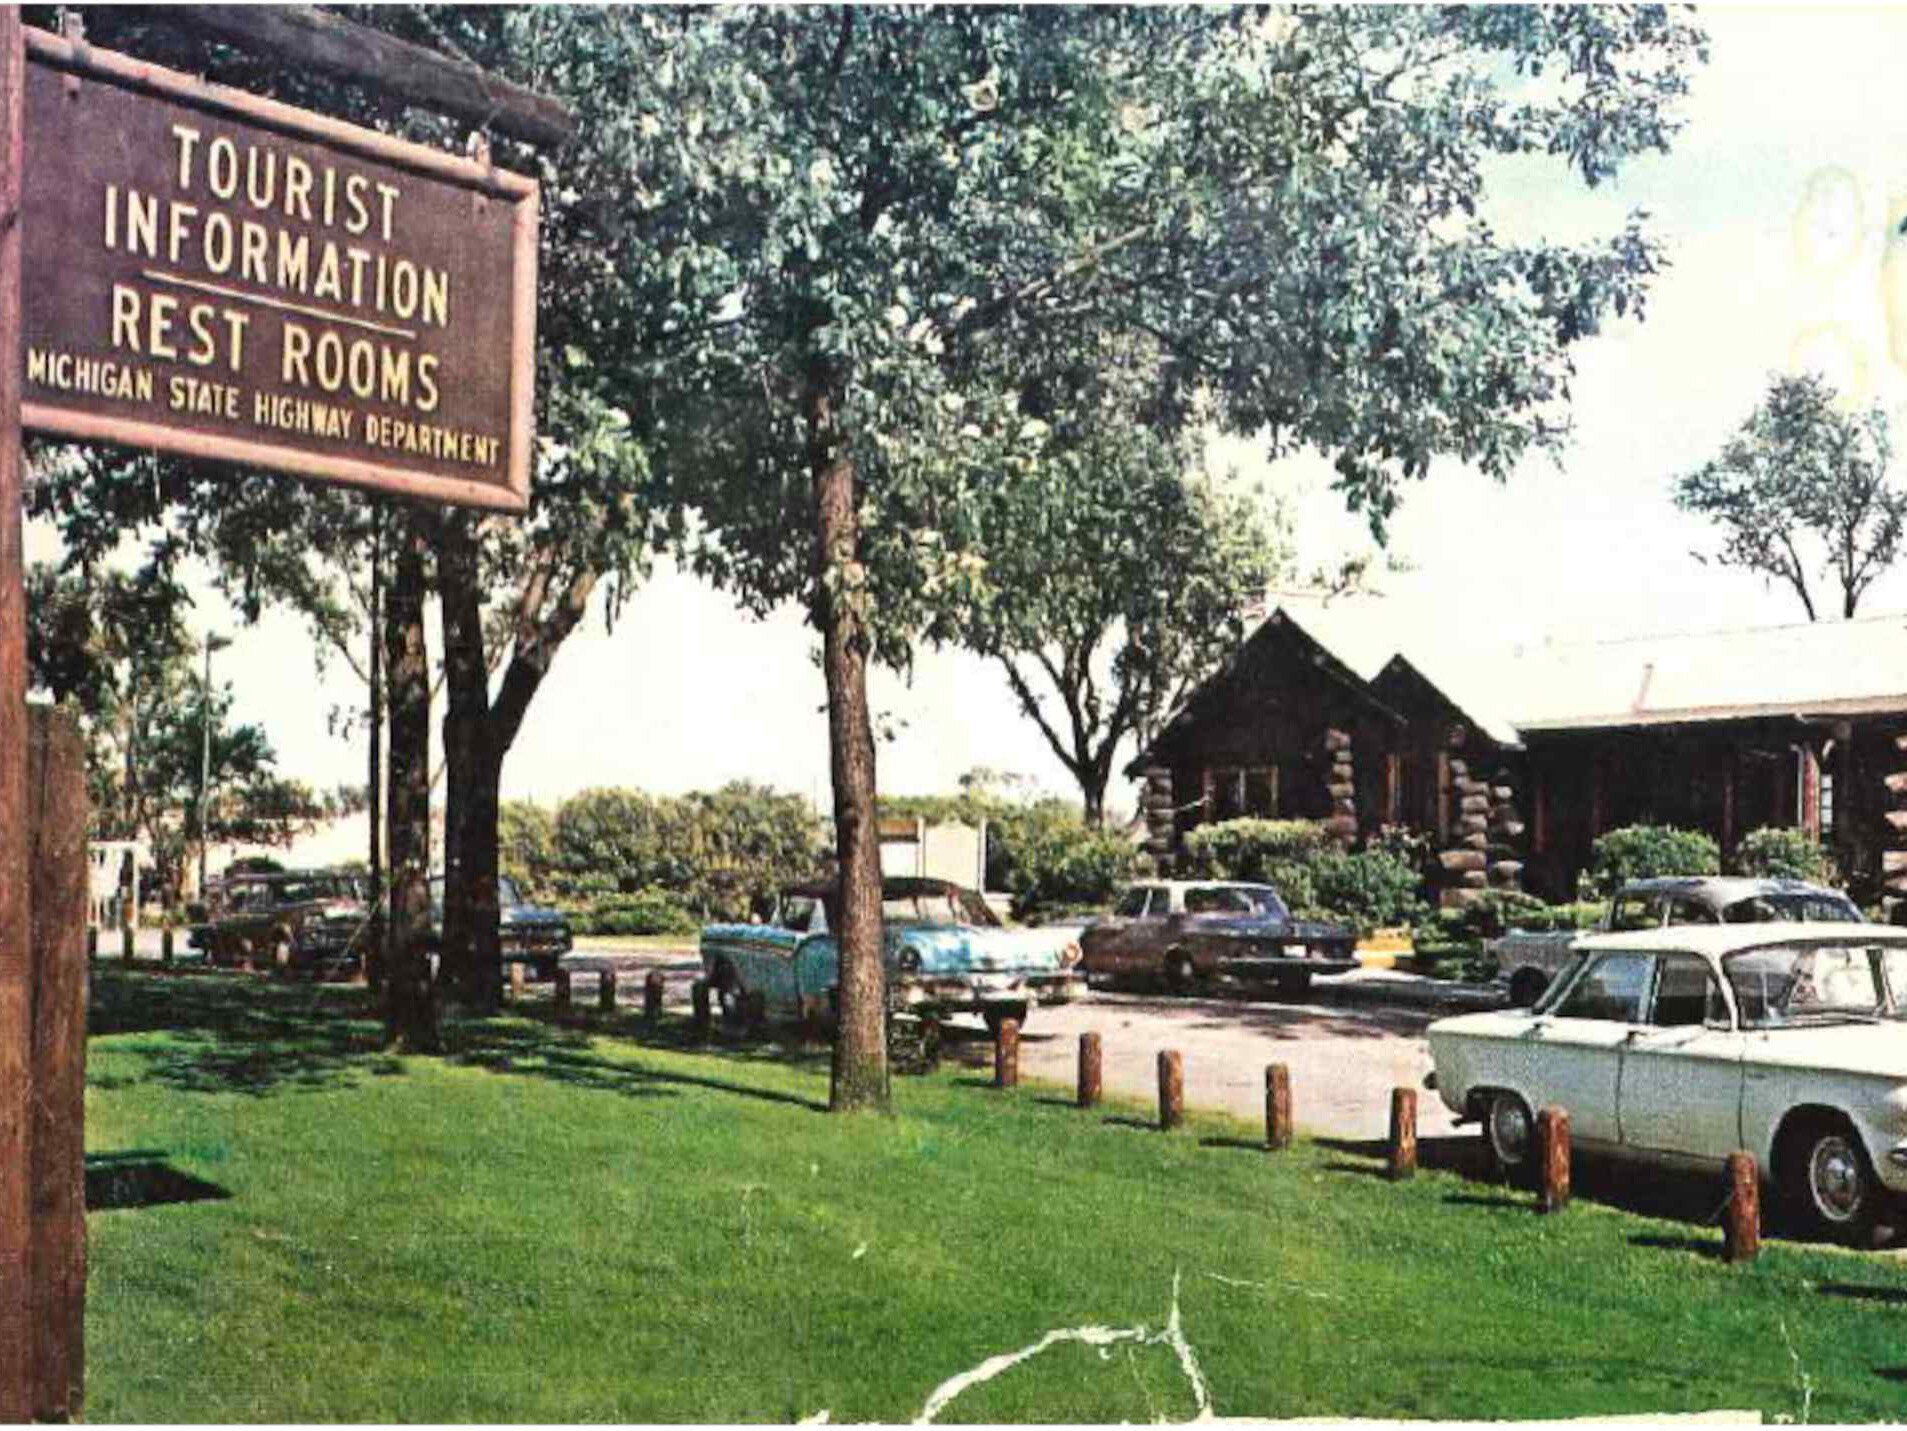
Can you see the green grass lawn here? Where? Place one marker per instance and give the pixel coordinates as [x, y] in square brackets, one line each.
[553, 1226]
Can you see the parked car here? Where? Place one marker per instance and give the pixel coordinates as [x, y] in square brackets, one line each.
[310, 921]
[532, 934]
[1527, 962]
[1183, 931]
[946, 952]
[1680, 1044]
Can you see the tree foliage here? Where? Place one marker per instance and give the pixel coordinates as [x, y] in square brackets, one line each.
[1802, 493]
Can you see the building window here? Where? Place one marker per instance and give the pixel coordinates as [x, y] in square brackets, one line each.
[1827, 803]
[1242, 791]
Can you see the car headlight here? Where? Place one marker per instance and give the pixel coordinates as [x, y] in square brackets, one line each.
[1070, 955]
[909, 961]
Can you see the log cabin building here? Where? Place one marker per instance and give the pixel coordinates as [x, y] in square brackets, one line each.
[1514, 759]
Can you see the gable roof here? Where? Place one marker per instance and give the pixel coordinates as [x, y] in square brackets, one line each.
[1511, 691]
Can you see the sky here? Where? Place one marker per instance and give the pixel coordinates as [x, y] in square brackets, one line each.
[1779, 206]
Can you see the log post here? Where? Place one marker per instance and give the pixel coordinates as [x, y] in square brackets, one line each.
[1171, 1090]
[1277, 1107]
[1552, 1152]
[561, 982]
[1089, 1070]
[1403, 1140]
[606, 991]
[1006, 1055]
[1741, 1225]
[165, 946]
[652, 998]
[519, 984]
[57, 817]
[125, 942]
[699, 1004]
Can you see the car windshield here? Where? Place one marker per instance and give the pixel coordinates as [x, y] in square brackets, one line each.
[1235, 899]
[936, 906]
[507, 891]
[1790, 984]
[1554, 992]
[1791, 909]
[317, 887]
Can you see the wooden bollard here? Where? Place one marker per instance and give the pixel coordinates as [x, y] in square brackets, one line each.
[165, 945]
[1171, 1090]
[519, 981]
[560, 979]
[652, 998]
[92, 941]
[699, 1003]
[1403, 1145]
[125, 942]
[1552, 1151]
[1089, 1070]
[1741, 1223]
[1277, 1107]
[1006, 1055]
[606, 991]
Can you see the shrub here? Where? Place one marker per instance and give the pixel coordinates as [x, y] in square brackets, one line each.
[1648, 852]
[1377, 886]
[1047, 857]
[648, 911]
[1368, 890]
[1449, 943]
[1774, 853]
[1251, 849]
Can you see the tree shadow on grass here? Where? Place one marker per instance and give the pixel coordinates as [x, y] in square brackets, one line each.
[236, 1034]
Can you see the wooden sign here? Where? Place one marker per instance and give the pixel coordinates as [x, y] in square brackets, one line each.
[224, 277]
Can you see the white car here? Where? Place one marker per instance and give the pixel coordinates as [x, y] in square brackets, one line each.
[1681, 1045]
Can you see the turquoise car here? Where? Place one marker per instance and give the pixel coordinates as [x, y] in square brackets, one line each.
[946, 953]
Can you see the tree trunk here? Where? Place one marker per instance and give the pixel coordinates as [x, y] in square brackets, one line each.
[410, 1011]
[860, 1075]
[472, 951]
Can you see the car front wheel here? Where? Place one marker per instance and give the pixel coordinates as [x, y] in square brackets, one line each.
[1510, 1134]
[1179, 974]
[1828, 1183]
[1527, 987]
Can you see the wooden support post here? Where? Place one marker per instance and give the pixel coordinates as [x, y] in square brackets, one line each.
[699, 1004]
[16, 1018]
[561, 981]
[1171, 1089]
[1552, 1152]
[652, 998]
[57, 820]
[125, 942]
[1403, 1142]
[606, 991]
[1277, 1107]
[1089, 1070]
[165, 946]
[1006, 1055]
[519, 981]
[1741, 1225]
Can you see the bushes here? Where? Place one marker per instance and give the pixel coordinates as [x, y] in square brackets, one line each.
[1050, 860]
[1648, 852]
[1374, 887]
[648, 911]
[1784, 854]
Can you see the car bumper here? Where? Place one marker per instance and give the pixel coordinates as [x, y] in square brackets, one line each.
[975, 993]
[1272, 964]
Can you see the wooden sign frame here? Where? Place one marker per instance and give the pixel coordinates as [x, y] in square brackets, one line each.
[512, 493]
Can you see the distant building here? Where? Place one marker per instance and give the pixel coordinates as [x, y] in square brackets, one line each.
[1514, 759]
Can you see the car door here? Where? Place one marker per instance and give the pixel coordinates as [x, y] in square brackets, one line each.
[1136, 948]
[1681, 1082]
[1575, 1048]
[1104, 942]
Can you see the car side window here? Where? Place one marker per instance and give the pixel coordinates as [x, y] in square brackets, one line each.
[1690, 911]
[1610, 989]
[1686, 994]
[1636, 911]
[1133, 903]
[1161, 903]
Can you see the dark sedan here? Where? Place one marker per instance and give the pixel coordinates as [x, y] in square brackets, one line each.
[1182, 931]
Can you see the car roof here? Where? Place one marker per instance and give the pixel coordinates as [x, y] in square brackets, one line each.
[892, 887]
[1723, 887]
[1183, 884]
[1716, 940]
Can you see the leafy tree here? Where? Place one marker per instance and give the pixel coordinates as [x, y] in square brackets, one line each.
[1649, 852]
[1802, 492]
[914, 211]
[1114, 588]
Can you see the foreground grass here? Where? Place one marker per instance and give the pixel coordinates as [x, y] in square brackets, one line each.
[547, 1226]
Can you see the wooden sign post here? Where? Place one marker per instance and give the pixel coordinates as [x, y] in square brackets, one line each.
[215, 275]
